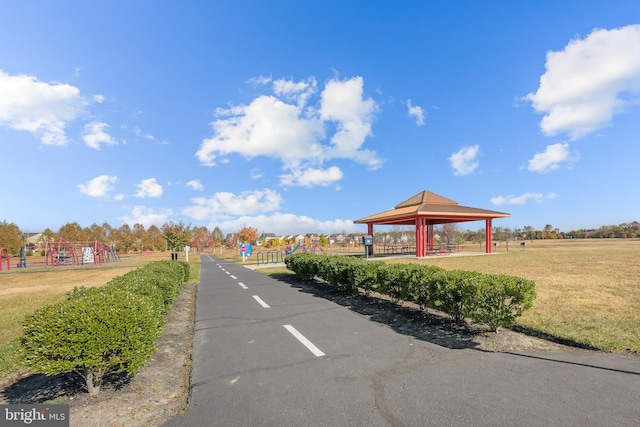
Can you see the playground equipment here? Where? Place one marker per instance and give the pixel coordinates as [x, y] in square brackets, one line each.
[110, 253]
[314, 247]
[22, 257]
[63, 252]
[4, 254]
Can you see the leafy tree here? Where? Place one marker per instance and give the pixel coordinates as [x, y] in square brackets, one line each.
[276, 242]
[217, 236]
[140, 235]
[248, 235]
[124, 238]
[155, 240]
[96, 233]
[47, 236]
[72, 232]
[10, 237]
[107, 231]
[177, 235]
[324, 242]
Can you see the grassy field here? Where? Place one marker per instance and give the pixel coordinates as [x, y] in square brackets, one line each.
[588, 290]
[22, 291]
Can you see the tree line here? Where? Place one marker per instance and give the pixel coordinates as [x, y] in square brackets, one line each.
[170, 236]
[175, 236]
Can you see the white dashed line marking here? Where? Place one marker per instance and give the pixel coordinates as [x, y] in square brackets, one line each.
[262, 303]
[315, 350]
[242, 285]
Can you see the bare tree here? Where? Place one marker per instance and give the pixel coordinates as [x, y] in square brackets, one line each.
[450, 234]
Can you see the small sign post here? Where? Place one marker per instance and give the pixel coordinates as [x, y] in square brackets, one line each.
[243, 250]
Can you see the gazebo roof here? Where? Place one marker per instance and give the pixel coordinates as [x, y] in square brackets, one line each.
[433, 207]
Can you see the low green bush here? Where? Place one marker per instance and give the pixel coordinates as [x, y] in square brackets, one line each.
[499, 299]
[364, 274]
[335, 270]
[494, 300]
[112, 330]
[104, 330]
[419, 286]
[390, 282]
[303, 264]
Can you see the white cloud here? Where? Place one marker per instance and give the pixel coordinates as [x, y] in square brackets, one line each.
[266, 127]
[296, 91]
[551, 158]
[311, 177]
[287, 127]
[522, 199]
[94, 135]
[149, 188]
[44, 109]
[147, 217]
[589, 81]
[255, 173]
[260, 80]
[141, 134]
[195, 184]
[417, 112]
[343, 103]
[224, 204]
[99, 98]
[464, 160]
[286, 224]
[99, 186]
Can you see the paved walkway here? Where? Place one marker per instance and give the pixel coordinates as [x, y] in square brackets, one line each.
[268, 353]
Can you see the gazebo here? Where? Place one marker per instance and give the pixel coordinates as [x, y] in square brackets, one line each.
[426, 209]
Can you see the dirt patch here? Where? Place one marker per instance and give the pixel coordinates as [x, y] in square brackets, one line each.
[161, 389]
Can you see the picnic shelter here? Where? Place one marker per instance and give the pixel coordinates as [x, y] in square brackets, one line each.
[426, 209]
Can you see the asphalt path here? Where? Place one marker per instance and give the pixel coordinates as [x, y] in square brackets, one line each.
[266, 353]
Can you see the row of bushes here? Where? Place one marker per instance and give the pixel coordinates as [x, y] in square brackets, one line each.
[104, 330]
[491, 299]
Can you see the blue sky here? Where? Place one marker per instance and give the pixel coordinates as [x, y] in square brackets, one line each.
[295, 116]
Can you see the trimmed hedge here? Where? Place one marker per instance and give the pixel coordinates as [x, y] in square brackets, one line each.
[491, 299]
[105, 330]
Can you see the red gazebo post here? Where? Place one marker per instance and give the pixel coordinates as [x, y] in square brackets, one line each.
[430, 236]
[489, 236]
[421, 237]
